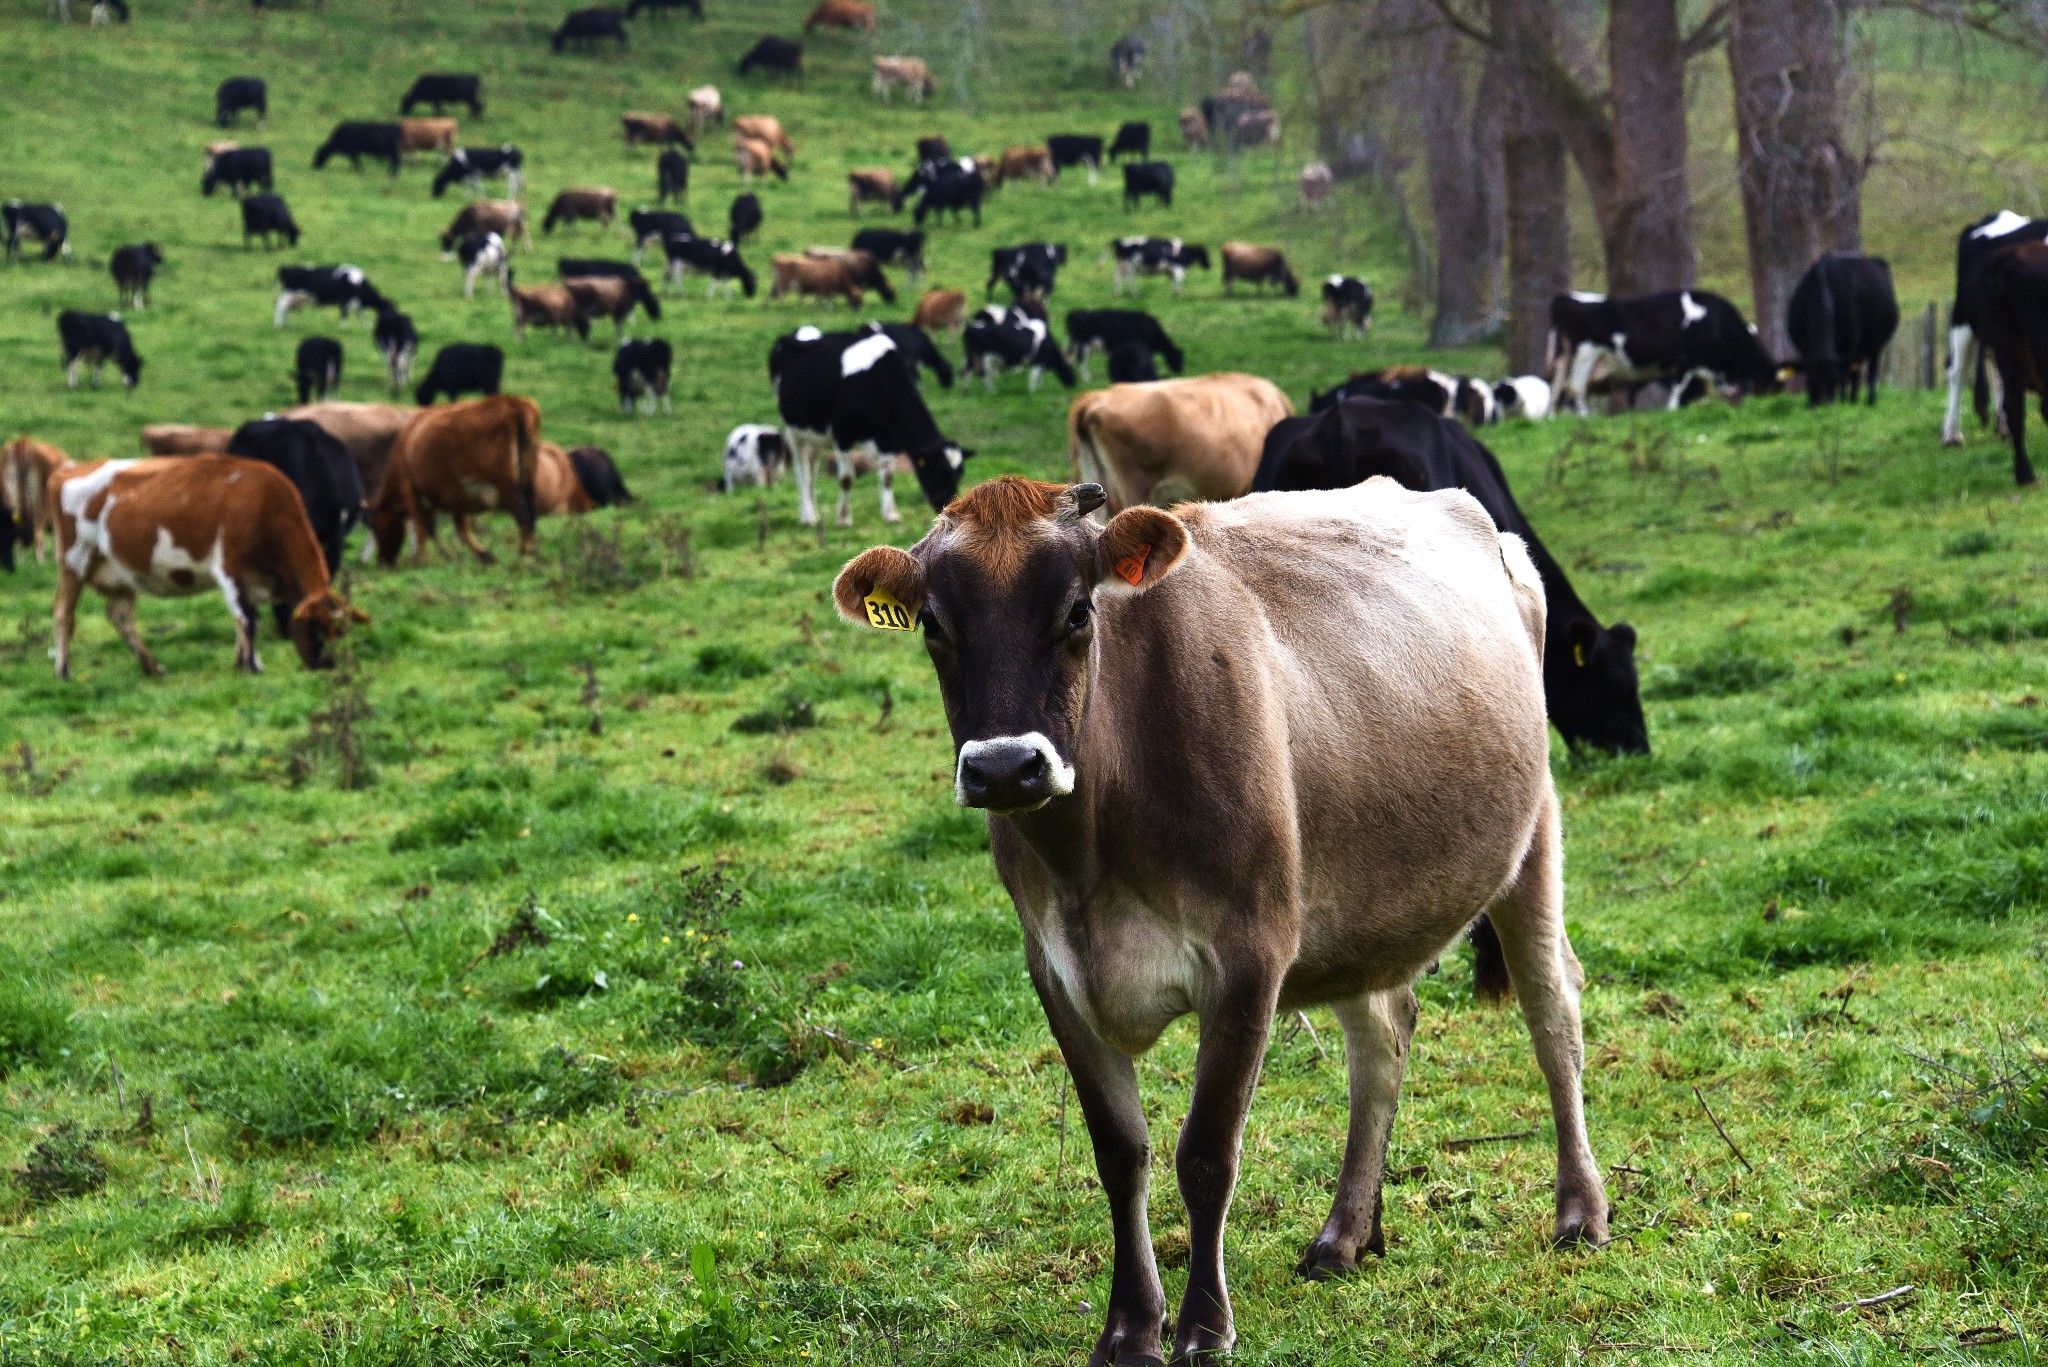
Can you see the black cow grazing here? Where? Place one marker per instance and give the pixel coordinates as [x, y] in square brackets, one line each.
[671, 176]
[462, 368]
[652, 225]
[132, 268]
[1168, 256]
[743, 220]
[947, 187]
[1133, 139]
[918, 349]
[932, 148]
[999, 339]
[1113, 330]
[441, 88]
[241, 170]
[475, 165]
[378, 141]
[591, 25]
[93, 339]
[599, 478]
[1143, 178]
[1347, 305]
[783, 55]
[695, 7]
[2009, 310]
[397, 341]
[1431, 389]
[1126, 55]
[710, 257]
[341, 287]
[844, 390]
[1030, 269]
[268, 217]
[1671, 337]
[1132, 363]
[237, 93]
[43, 223]
[1973, 247]
[1075, 149]
[893, 248]
[321, 469]
[1840, 318]
[641, 368]
[317, 368]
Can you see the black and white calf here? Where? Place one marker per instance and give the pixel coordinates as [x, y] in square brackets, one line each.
[378, 141]
[709, 257]
[39, 223]
[1973, 247]
[641, 368]
[93, 339]
[397, 341]
[268, 217]
[1112, 330]
[1522, 396]
[1075, 149]
[481, 252]
[1000, 338]
[754, 455]
[462, 368]
[439, 88]
[839, 391]
[132, 268]
[237, 93]
[1347, 305]
[671, 176]
[1030, 269]
[340, 287]
[1671, 337]
[317, 368]
[1840, 319]
[1133, 139]
[475, 165]
[890, 247]
[1168, 256]
[241, 169]
[744, 218]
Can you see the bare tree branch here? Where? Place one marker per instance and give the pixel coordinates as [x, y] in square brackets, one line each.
[1470, 28]
[1709, 33]
[2015, 23]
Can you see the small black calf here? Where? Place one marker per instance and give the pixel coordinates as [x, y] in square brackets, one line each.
[268, 217]
[1143, 178]
[745, 218]
[462, 368]
[641, 368]
[1133, 139]
[590, 25]
[379, 141]
[241, 170]
[671, 176]
[771, 53]
[317, 367]
[237, 93]
[132, 268]
[44, 223]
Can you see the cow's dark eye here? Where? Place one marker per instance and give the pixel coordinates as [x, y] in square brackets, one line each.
[934, 634]
[1078, 615]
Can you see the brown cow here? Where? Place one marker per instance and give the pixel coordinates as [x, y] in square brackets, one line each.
[945, 309]
[1164, 440]
[1023, 163]
[1258, 266]
[706, 106]
[505, 217]
[171, 528]
[853, 14]
[366, 431]
[764, 128]
[25, 469]
[183, 439]
[463, 458]
[820, 277]
[867, 272]
[1194, 129]
[654, 128]
[869, 185]
[547, 306]
[556, 490]
[1239, 760]
[910, 73]
[427, 135]
[597, 203]
[754, 157]
[611, 296]
[1317, 181]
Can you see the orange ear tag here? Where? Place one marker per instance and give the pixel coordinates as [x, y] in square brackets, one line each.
[885, 613]
[1132, 567]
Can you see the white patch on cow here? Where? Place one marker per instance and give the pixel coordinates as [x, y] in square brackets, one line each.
[1336, 282]
[1130, 243]
[1585, 298]
[2006, 222]
[954, 458]
[482, 491]
[1689, 312]
[863, 355]
[167, 557]
[77, 495]
[1619, 347]
[995, 313]
[964, 163]
[1061, 772]
[807, 333]
[352, 274]
[1532, 396]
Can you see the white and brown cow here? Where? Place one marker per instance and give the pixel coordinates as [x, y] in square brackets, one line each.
[505, 217]
[1167, 440]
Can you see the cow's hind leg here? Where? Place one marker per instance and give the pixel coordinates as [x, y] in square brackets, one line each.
[1377, 1029]
[1548, 979]
[467, 535]
[842, 462]
[885, 475]
[121, 612]
[64, 617]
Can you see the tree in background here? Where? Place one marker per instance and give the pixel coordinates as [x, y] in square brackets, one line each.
[1539, 236]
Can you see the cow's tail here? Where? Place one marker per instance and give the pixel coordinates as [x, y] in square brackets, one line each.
[525, 458]
[1084, 448]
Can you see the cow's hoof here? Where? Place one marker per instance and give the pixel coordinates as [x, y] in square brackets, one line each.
[1579, 1229]
[1951, 441]
[1323, 1261]
[486, 558]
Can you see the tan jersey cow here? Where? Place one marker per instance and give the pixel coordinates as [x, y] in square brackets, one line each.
[907, 73]
[764, 128]
[1166, 440]
[941, 310]
[427, 135]
[183, 439]
[816, 276]
[1023, 163]
[366, 431]
[464, 458]
[869, 185]
[26, 466]
[853, 14]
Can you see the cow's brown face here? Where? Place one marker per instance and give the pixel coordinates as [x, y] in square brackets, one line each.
[319, 619]
[1005, 589]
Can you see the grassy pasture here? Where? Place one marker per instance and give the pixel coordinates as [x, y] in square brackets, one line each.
[805, 1110]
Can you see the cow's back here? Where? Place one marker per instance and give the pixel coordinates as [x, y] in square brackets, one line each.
[1200, 437]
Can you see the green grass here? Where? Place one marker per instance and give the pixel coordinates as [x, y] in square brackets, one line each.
[800, 1100]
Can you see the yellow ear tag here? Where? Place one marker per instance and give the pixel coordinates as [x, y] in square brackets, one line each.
[885, 613]
[1132, 567]
[1579, 654]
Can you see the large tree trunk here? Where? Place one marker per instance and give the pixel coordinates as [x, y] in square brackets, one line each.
[1462, 138]
[1539, 220]
[1649, 243]
[1801, 188]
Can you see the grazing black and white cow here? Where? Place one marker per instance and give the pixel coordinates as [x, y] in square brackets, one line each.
[132, 268]
[1075, 149]
[482, 252]
[918, 349]
[93, 339]
[1000, 338]
[1126, 55]
[754, 455]
[784, 56]
[641, 367]
[710, 257]
[695, 7]
[317, 368]
[268, 217]
[475, 165]
[1143, 178]
[1840, 318]
[1522, 396]
[1672, 337]
[590, 26]
[1030, 269]
[1132, 363]
[241, 169]
[441, 88]
[671, 176]
[462, 368]
[378, 141]
[398, 342]
[948, 187]
[851, 389]
[1168, 256]
[39, 223]
[321, 469]
[1347, 305]
[1973, 246]
[743, 220]
[340, 287]
[650, 226]
[1133, 139]
[890, 247]
[237, 93]
[1110, 330]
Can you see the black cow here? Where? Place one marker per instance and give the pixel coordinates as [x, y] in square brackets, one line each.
[93, 339]
[695, 7]
[1840, 318]
[1432, 389]
[1030, 269]
[378, 141]
[1143, 178]
[1132, 363]
[341, 287]
[237, 93]
[474, 165]
[641, 368]
[671, 176]
[932, 148]
[707, 256]
[1075, 149]
[317, 368]
[1133, 139]
[397, 341]
[441, 88]
[918, 349]
[893, 248]
[132, 268]
[268, 217]
[1126, 55]
[743, 220]
[652, 225]
[1671, 337]
[323, 472]
[1347, 305]
[598, 476]
[462, 368]
[242, 169]
[947, 187]
[999, 339]
[774, 54]
[590, 25]
[44, 223]
[1169, 256]
[1973, 247]
[1112, 330]
[2009, 308]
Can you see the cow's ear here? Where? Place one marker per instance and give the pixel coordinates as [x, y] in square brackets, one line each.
[1580, 633]
[1137, 549]
[356, 614]
[882, 587]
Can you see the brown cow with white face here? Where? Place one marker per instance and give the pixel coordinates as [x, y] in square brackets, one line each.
[464, 458]
[1238, 760]
[172, 528]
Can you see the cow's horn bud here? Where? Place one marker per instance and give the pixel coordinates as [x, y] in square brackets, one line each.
[1081, 500]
